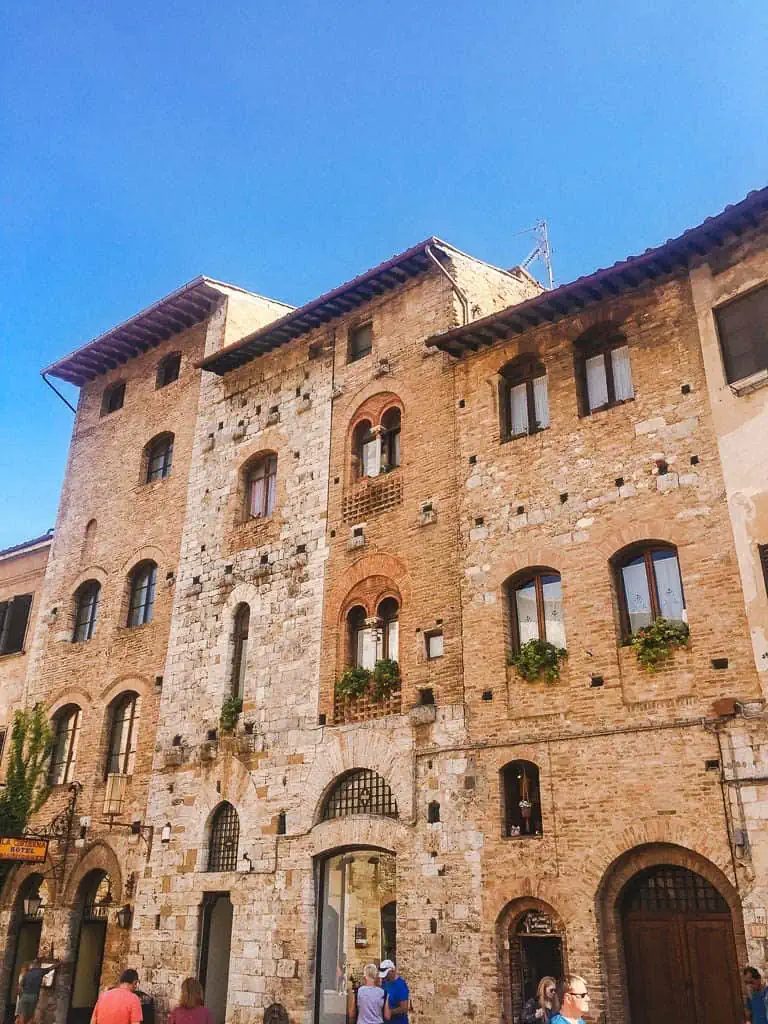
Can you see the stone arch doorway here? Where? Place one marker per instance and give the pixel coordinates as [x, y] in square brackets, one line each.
[533, 941]
[26, 929]
[679, 948]
[94, 903]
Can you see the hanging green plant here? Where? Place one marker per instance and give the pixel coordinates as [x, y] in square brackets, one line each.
[654, 644]
[230, 712]
[539, 659]
[25, 789]
[377, 683]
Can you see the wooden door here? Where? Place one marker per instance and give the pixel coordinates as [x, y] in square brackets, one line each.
[656, 963]
[714, 971]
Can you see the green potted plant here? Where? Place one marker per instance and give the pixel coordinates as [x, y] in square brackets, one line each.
[655, 644]
[230, 712]
[538, 659]
[377, 683]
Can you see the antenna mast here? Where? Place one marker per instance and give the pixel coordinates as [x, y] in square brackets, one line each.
[541, 251]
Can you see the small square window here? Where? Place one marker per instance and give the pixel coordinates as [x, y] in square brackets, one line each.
[360, 342]
[113, 398]
[434, 645]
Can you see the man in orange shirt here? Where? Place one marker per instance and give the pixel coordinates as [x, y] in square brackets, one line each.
[119, 1005]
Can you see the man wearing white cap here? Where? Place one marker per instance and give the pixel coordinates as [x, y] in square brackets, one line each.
[396, 991]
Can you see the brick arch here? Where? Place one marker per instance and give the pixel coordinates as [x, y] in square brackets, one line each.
[17, 878]
[137, 684]
[608, 917]
[69, 695]
[395, 389]
[91, 572]
[98, 857]
[148, 553]
[506, 921]
[373, 408]
[369, 593]
[526, 557]
[667, 530]
[376, 564]
[252, 453]
[364, 748]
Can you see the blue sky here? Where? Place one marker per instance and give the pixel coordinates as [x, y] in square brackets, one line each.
[288, 147]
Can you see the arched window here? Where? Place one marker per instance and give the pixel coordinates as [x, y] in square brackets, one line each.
[363, 638]
[522, 799]
[121, 753]
[168, 369]
[113, 398]
[389, 630]
[240, 655]
[523, 399]
[650, 586]
[225, 838]
[390, 439]
[86, 610]
[142, 601]
[66, 732]
[89, 538]
[536, 607]
[261, 487]
[366, 444]
[159, 453]
[360, 791]
[603, 369]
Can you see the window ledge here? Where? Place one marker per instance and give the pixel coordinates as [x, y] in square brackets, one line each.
[606, 408]
[519, 437]
[12, 654]
[516, 839]
[747, 385]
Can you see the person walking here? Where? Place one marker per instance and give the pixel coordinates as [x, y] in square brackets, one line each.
[190, 1009]
[396, 991]
[574, 1002]
[119, 1005]
[756, 1002]
[372, 1006]
[542, 1007]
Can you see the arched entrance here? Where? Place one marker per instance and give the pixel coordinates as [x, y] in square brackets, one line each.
[532, 940]
[95, 902]
[357, 924]
[679, 949]
[28, 920]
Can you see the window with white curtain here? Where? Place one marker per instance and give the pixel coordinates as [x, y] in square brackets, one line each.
[524, 401]
[605, 370]
[536, 605]
[261, 488]
[650, 587]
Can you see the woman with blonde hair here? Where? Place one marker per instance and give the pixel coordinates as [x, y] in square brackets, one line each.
[372, 1007]
[190, 1009]
[541, 1008]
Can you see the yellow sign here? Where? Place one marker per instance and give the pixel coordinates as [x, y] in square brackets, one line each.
[34, 851]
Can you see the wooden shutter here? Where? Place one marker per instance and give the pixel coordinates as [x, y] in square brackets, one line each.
[15, 624]
[762, 550]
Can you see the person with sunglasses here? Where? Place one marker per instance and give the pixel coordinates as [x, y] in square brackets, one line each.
[574, 1002]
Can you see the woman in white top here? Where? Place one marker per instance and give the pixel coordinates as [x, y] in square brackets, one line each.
[372, 1007]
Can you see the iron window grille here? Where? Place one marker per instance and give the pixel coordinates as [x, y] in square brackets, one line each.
[142, 601]
[86, 612]
[62, 767]
[122, 740]
[225, 838]
[360, 791]
[160, 458]
[667, 889]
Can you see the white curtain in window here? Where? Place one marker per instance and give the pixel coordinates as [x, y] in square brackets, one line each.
[541, 402]
[553, 610]
[636, 591]
[372, 457]
[669, 586]
[392, 630]
[257, 495]
[367, 648]
[527, 620]
[271, 483]
[597, 384]
[518, 409]
[622, 374]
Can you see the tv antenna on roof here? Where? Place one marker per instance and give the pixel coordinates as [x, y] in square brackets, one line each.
[541, 250]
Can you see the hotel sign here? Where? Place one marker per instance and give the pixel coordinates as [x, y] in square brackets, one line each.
[33, 851]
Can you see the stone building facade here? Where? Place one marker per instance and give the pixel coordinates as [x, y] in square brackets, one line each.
[414, 476]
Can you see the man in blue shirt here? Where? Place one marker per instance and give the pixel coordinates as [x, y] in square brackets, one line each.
[575, 1001]
[395, 990]
[757, 996]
